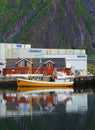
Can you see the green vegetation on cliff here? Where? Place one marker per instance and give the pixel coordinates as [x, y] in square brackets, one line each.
[49, 23]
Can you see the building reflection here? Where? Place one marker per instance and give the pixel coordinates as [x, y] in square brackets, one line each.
[49, 101]
[79, 103]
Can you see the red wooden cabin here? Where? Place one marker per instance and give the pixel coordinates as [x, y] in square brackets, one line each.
[45, 66]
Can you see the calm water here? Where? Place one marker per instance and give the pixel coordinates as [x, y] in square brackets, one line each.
[65, 111]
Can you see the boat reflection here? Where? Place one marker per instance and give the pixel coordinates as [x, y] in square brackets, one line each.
[15, 104]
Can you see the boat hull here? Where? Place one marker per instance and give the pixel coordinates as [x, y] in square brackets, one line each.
[27, 85]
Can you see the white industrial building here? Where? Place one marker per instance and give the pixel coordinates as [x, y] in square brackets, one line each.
[4, 49]
[75, 58]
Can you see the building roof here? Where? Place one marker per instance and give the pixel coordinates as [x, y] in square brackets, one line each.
[49, 61]
[58, 62]
[10, 63]
[25, 59]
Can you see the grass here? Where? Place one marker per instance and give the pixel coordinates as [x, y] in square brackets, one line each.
[91, 68]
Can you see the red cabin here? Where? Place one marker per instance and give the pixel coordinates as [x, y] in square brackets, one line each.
[45, 66]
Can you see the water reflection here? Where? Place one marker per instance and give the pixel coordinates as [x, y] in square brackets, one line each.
[79, 103]
[55, 110]
[12, 103]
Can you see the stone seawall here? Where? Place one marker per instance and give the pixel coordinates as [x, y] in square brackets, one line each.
[81, 83]
[8, 83]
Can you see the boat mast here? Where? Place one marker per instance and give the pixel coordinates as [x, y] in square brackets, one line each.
[30, 66]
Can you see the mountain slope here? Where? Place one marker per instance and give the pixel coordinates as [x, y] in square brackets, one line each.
[49, 23]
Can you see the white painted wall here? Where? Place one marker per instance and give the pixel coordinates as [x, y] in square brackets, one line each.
[6, 47]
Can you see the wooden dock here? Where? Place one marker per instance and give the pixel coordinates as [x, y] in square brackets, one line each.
[84, 83]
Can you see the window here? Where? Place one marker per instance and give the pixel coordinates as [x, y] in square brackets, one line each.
[24, 63]
[50, 64]
[21, 63]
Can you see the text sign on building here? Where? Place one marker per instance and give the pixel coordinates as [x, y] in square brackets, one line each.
[19, 45]
[81, 56]
[35, 51]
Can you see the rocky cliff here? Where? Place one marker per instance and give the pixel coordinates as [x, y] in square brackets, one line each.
[49, 23]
